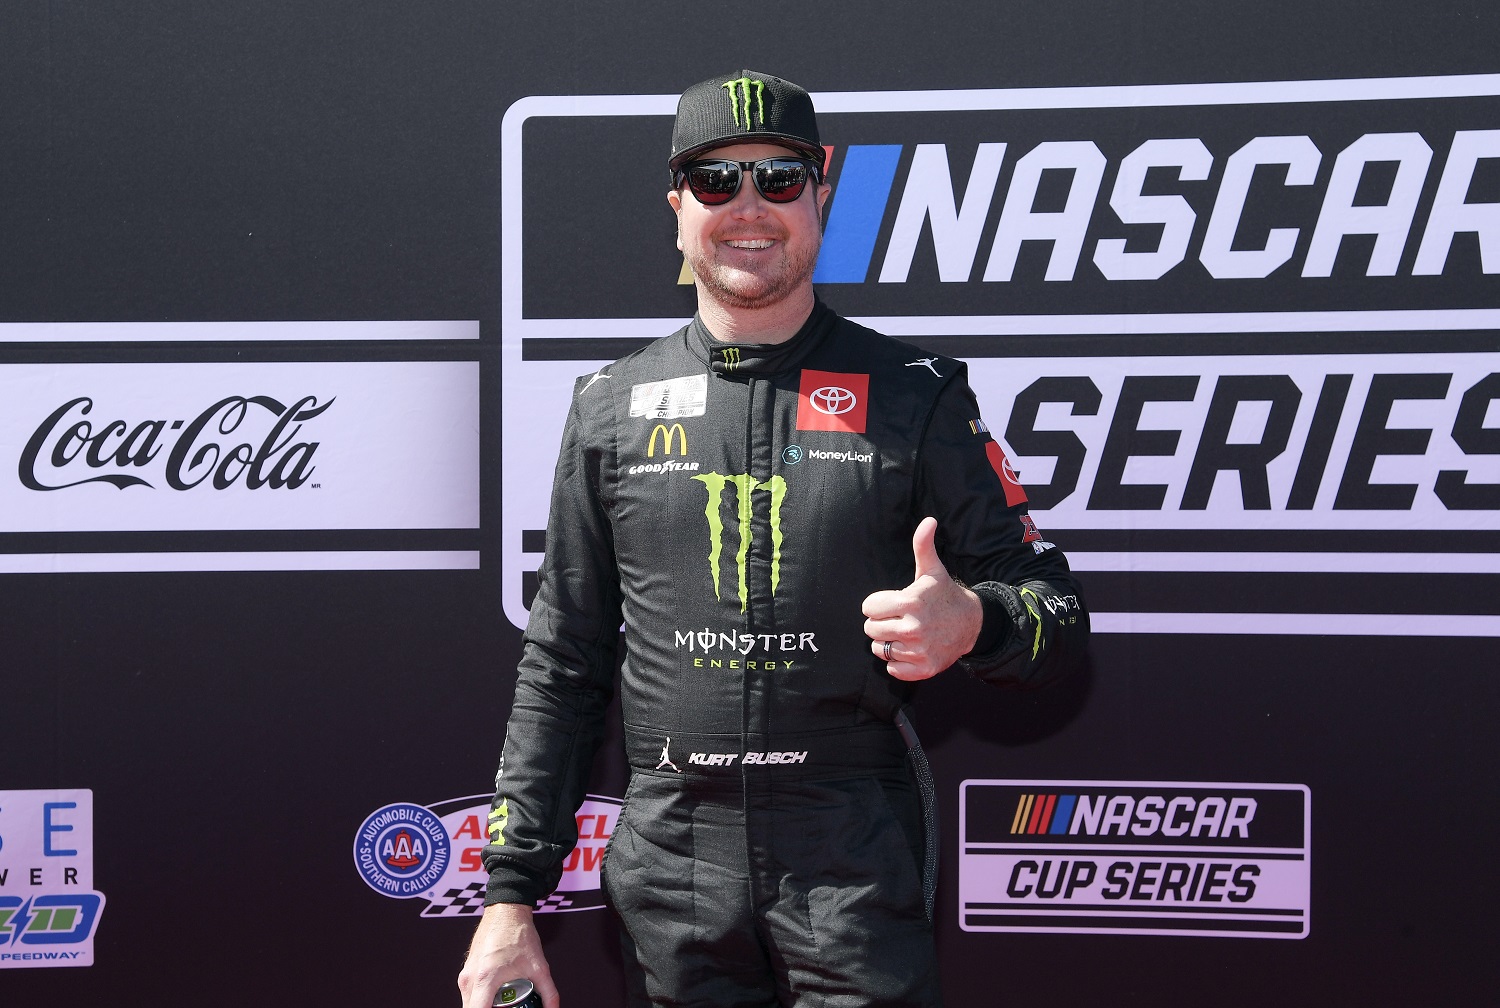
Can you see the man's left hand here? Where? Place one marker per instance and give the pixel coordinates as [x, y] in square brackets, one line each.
[930, 623]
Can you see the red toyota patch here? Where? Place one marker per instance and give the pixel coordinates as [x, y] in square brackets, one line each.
[830, 401]
[1014, 492]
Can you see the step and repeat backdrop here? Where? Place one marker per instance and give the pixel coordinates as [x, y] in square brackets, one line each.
[293, 300]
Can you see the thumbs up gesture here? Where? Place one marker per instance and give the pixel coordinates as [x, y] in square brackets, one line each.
[925, 627]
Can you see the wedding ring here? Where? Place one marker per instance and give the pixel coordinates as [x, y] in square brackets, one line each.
[887, 650]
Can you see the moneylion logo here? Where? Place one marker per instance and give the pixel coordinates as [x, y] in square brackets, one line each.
[741, 101]
[667, 434]
[744, 485]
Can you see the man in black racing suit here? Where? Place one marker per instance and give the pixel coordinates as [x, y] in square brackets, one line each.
[738, 493]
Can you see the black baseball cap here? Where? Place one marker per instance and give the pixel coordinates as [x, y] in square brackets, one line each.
[743, 107]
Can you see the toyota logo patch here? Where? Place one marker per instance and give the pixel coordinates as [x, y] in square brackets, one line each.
[833, 400]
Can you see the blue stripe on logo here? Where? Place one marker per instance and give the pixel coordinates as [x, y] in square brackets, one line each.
[1063, 814]
[864, 187]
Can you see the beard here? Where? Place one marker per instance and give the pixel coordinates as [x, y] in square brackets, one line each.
[735, 287]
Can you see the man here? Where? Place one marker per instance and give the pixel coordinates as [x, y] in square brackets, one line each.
[740, 494]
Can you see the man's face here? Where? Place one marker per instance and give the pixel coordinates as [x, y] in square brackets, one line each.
[749, 252]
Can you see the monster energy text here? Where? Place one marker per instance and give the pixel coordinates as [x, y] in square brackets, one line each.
[741, 100]
[707, 640]
[740, 645]
[744, 485]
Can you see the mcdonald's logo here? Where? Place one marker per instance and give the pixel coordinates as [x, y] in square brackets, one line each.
[667, 434]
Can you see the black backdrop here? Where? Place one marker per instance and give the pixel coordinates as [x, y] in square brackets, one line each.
[319, 160]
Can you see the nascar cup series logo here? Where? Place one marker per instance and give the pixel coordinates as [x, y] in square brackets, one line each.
[1135, 857]
[435, 852]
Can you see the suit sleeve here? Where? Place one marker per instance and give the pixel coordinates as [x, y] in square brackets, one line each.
[564, 682]
[1035, 627]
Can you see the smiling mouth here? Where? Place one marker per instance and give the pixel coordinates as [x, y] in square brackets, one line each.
[750, 243]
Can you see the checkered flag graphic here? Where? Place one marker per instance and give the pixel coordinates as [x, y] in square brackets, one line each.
[465, 902]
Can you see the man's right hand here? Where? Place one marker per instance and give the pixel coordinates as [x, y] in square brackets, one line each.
[505, 947]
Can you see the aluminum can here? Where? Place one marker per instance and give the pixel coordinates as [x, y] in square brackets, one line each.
[517, 994]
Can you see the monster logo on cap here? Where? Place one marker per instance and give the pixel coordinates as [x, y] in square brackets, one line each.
[742, 100]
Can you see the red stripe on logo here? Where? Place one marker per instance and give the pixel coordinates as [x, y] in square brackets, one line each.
[1036, 814]
[1046, 823]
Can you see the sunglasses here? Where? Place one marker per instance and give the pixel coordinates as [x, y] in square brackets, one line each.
[778, 179]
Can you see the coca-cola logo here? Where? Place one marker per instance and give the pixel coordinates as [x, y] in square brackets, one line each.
[253, 441]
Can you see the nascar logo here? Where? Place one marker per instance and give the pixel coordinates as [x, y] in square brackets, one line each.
[956, 209]
[1135, 857]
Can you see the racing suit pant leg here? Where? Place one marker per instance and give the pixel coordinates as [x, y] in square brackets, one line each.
[675, 873]
[809, 895]
[848, 927]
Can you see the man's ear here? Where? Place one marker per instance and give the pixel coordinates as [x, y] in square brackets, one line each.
[674, 198]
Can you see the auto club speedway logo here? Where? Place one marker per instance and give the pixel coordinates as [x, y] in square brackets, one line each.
[49, 910]
[1297, 379]
[432, 853]
[1135, 857]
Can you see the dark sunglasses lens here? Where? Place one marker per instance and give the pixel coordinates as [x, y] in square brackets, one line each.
[780, 181]
[713, 182]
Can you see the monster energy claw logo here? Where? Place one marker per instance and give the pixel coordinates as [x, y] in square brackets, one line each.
[731, 358]
[744, 485]
[739, 101]
[498, 817]
[1036, 617]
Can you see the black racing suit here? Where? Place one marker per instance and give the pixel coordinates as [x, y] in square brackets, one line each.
[734, 505]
